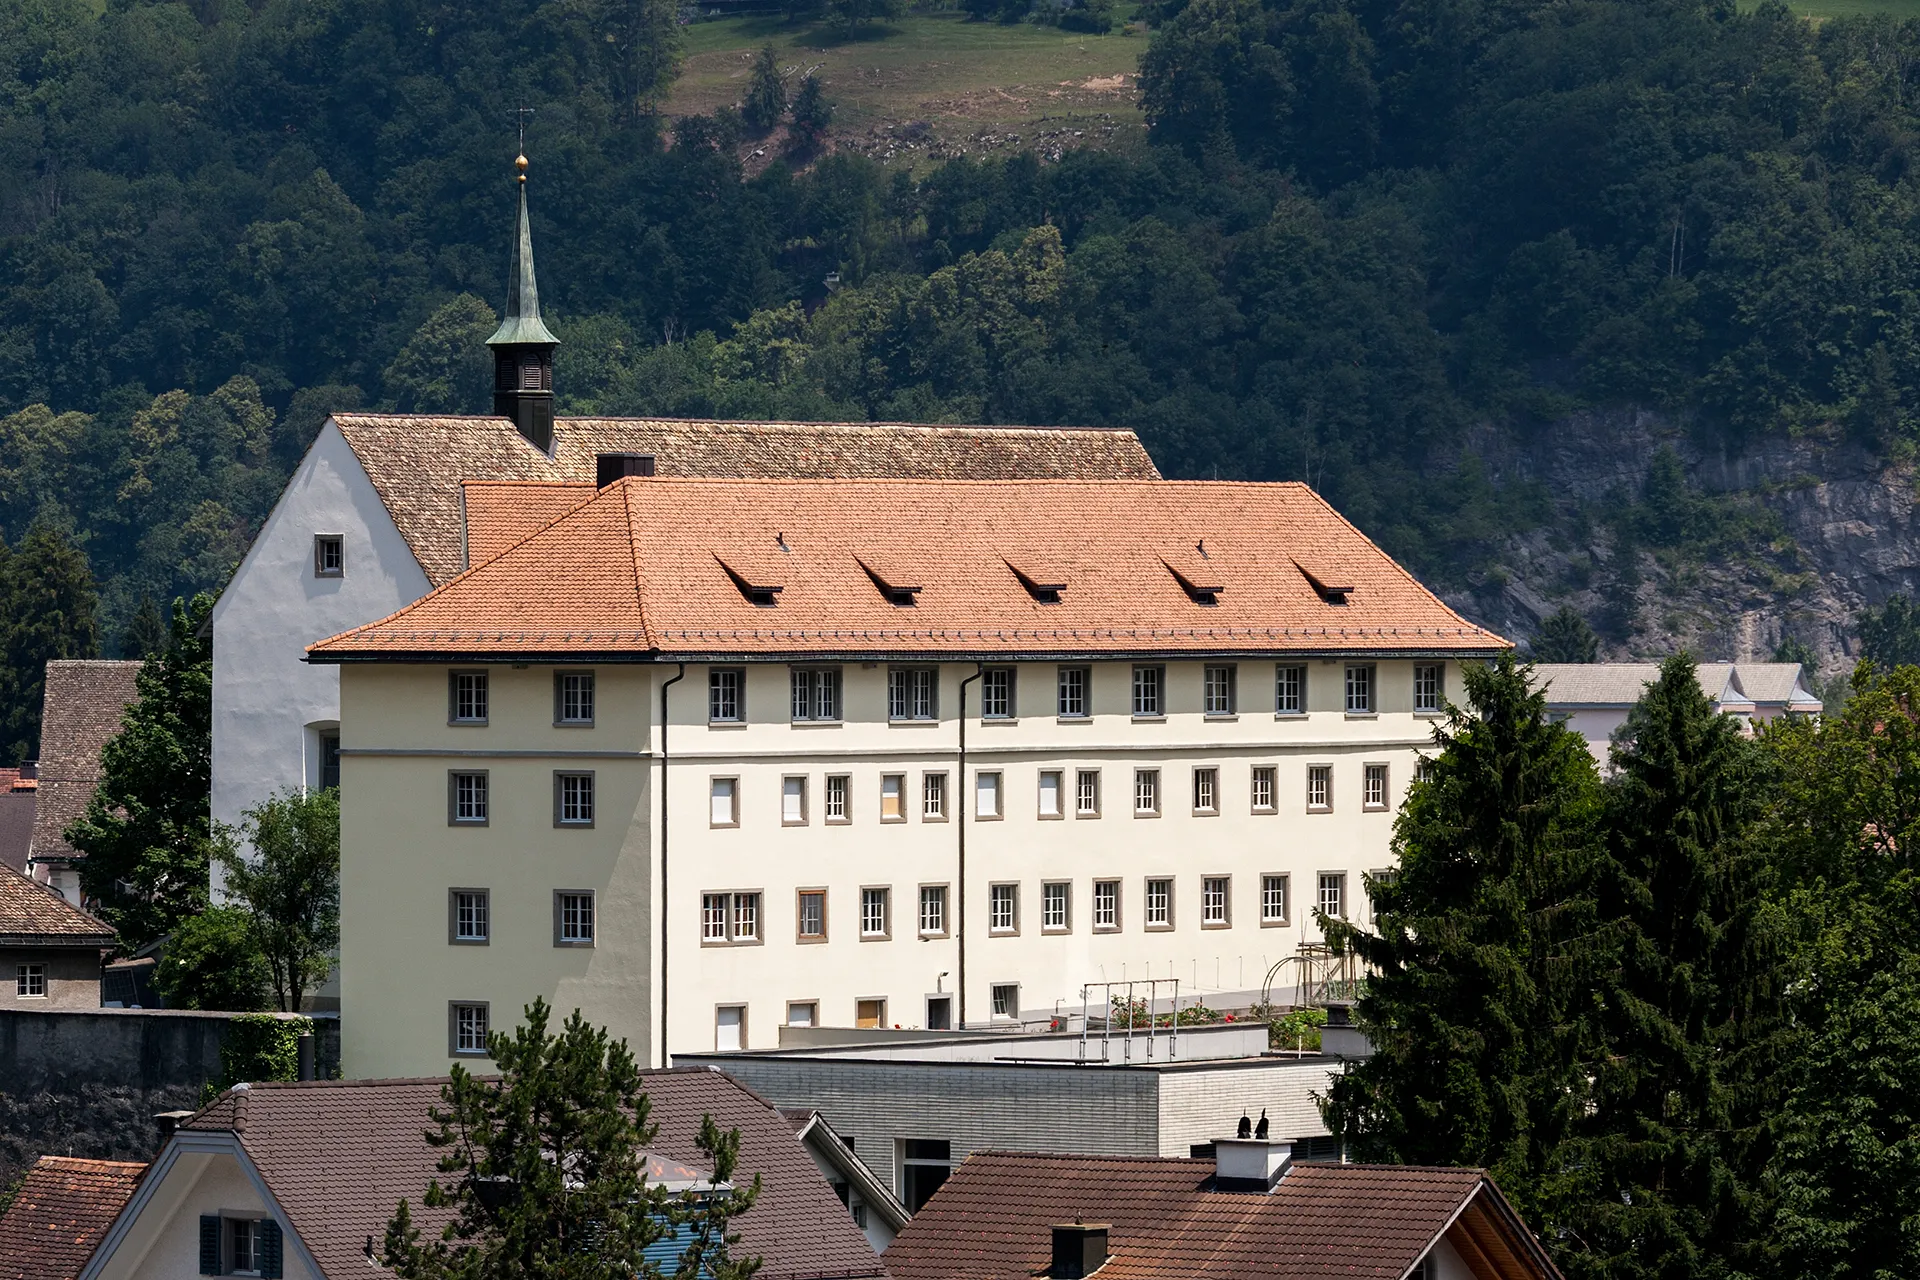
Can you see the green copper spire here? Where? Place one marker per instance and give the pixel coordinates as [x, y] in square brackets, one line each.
[521, 323]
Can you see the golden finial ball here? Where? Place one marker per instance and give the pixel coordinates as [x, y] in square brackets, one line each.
[520, 163]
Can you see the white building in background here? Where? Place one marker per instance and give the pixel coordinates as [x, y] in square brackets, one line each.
[1593, 698]
[702, 758]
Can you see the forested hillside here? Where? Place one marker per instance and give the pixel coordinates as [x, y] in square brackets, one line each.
[1390, 247]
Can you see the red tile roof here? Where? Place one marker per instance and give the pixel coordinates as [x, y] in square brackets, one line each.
[82, 709]
[644, 567]
[339, 1155]
[992, 1220]
[62, 1209]
[33, 915]
[500, 513]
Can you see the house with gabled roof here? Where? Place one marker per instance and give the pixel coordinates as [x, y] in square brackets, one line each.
[59, 1212]
[1594, 698]
[82, 707]
[49, 949]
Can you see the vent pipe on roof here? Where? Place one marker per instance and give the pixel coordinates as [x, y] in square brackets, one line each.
[1250, 1164]
[1079, 1249]
[304, 1051]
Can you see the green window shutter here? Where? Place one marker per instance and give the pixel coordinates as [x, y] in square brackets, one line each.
[269, 1249]
[209, 1245]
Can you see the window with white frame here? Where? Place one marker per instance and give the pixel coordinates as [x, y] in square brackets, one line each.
[933, 910]
[1219, 692]
[329, 555]
[1423, 769]
[1428, 685]
[1319, 788]
[1333, 894]
[469, 1019]
[1158, 902]
[1006, 999]
[467, 798]
[726, 702]
[1052, 782]
[1359, 690]
[996, 694]
[1273, 899]
[933, 797]
[836, 806]
[911, 693]
[1214, 901]
[1146, 791]
[470, 911]
[573, 799]
[986, 794]
[467, 696]
[1265, 778]
[1147, 687]
[1206, 790]
[1086, 793]
[812, 916]
[1003, 908]
[573, 918]
[793, 802]
[1055, 912]
[724, 802]
[893, 797]
[573, 697]
[1289, 691]
[816, 693]
[1106, 904]
[746, 917]
[30, 981]
[716, 914]
[1374, 787]
[873, 912]
[1071, 702]
[727, 918]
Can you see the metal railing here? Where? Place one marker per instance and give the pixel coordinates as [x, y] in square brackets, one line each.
[1119, 1004]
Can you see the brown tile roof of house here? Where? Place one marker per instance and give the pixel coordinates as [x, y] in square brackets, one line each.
[664, 566]
[82, 709]
[33, 915]
[62, 1209]
[339, 1155]
[416, 463]
[991, 1220]
[17, 806]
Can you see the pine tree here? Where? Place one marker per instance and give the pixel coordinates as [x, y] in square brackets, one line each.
[1564, 636]
[146, 632]
[147, 833]
[812, 113]
[766, 93]
[46, 611]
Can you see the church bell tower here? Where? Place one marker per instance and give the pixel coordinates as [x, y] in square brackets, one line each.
[522, 345]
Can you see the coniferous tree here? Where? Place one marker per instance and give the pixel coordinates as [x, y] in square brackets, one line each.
[1564, 636]
[812, 113]
[146, 632]
[766, 93]
[147, 833]
[46, 612]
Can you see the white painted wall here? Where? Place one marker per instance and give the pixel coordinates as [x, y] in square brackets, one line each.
[163, 1242]
[1445, 1262]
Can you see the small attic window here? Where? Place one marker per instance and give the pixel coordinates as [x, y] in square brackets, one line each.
[757, 582]
[893, 580]
[1332, 588]
[1043, 583]
[1201, 588]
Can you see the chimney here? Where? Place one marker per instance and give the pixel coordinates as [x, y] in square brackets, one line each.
[1079, 1249]
[168, 1121]
[608, 467]
[1253, 1165]
[304, 1049]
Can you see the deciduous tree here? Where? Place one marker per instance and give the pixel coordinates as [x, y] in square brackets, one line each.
[283, 867]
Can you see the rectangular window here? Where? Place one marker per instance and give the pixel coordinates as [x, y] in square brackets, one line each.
[1051, 781]
[30, 981]
[1146, 793]
[869, 1013]
[837, 784]
[1273, 899]
[724, 809]
[725, 704]
[812, 916]
[1106, 904]
[1219, 691]
[467, 799]
[1072, 701]
[816, 694]
[467, 1035]
[1147, 682]
[1289, 691]
[1333, 894]
[1159, 904]
[1423, 770]
[467, 697]
[1264, 777]
[329, 555]
[1214, 902]
[1428, 684]
[746, 917]
[1374, 792]
[572, 918]
[243, 1246]
[803, 1013]
[1006, 1000]
[986, 795]
[330, 760]
[1206, 791]
[873, 913]
[573, 697]
[1003, 908]
[573, 799]
[933, 910]
[1319, 788]
[1359, 690]
[1086, 794]
[729, 1028]
[893, 804]
[996, 694]
[910, 693]
[1055, 916]
[933, 797]
[468, 909]
[716, 913]
[793, 802]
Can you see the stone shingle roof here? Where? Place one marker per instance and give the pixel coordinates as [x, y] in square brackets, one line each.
[1741, 687]
[339, 1155]
[33, 915]
[991, 1220]
[62, 1209]
[82, 709]
[416, 463]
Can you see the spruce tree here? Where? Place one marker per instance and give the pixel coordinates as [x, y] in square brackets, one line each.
[766, 93]
[47, 608]
[1564, 636]
[812, 113]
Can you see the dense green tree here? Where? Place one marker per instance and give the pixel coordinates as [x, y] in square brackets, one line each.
[47, 592]
[766, 98]
[812, 113]
[849, 16]
[213, 961]
[146, 632]
[1564, 636]
[147, 832]
[283, 867]
[446, 366]
[1890, 634]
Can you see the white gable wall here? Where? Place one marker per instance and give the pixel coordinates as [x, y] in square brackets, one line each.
[161, 1238]
[267, 701]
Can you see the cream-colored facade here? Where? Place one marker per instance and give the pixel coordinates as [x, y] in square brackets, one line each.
[651, 866]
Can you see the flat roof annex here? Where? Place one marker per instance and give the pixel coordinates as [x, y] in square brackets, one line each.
[638, 574]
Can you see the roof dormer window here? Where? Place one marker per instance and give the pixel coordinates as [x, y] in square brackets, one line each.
[1332, 588]
[1043, 582]
[900, 585]
[1201, 584]
[758, 578]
